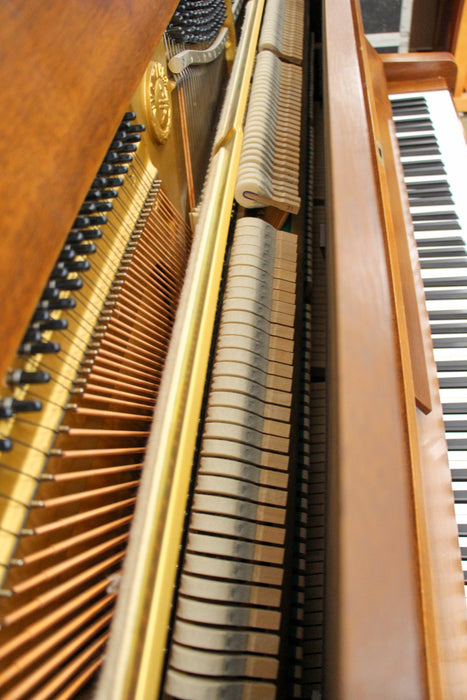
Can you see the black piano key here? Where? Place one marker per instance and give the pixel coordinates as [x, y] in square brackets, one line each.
[429, 263]
[406, 101]
[460, 497]
[401, 109]
[457, 444]
[445, 282]
[452, 252]
[456, 426]
[445, 294]
[437, 226]
[462, 530]
[435, 186]
[441, 242]
[419, 151]
[427, 167]
[452, 382]
[417, 141]
[447, 315]
[454, 408]
[404, 126]
[421, 200]
[458, 474]
[436, 216]
[450, 342]
[458, 327]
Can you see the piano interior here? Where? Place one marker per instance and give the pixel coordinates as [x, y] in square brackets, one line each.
[232, 428]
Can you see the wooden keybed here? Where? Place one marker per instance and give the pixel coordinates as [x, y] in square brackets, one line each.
[395, 605]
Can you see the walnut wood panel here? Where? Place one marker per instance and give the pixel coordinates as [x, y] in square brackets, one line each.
[396, 218]
[460, 54]
[373, 612]
[67, 72]
[412, 71]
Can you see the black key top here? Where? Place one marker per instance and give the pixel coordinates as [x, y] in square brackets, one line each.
[442, 242]
[452, 382]
[445, 294]
[443, 263]
[448, 315]
[413, 125]
[417, 141]
[461, 497]
[449, 328]
[422, 200]
[437, 226]
[440, 252]
[436, 216]
[457, 444]
[457, 408]
[433, 187]
[420, 151]
[408, 110]
[445, 282]
[407, 100]
[456, 426]
[450, 342]
[426, 167]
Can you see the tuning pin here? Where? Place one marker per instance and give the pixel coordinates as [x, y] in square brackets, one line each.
[19, 377]
[9, 406]
[42, 348]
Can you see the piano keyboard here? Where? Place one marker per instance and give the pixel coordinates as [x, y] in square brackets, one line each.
[434, 159]
[268, 173]
[233, 567]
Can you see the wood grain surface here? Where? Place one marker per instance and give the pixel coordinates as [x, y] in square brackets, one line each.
[67, 72]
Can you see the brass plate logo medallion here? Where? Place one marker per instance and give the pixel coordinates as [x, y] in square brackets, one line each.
[158, 101]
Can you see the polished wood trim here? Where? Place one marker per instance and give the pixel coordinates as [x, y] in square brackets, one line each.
[68, 71]
[437, 70]
[460, 54]
[373, 608]
[397, 219]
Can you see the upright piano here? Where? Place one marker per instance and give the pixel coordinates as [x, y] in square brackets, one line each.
[232, 413]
